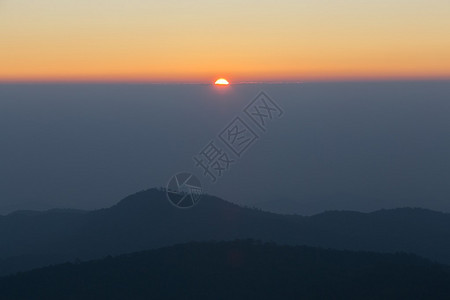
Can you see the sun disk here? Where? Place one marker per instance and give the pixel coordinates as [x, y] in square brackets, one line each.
[221, 81]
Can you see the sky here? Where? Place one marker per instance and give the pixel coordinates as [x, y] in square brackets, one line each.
[199, 40]
[358, 146]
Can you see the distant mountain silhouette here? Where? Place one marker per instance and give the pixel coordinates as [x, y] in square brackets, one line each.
[147, 220]
[236, 270]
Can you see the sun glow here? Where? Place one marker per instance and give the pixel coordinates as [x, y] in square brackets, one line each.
[221, 81]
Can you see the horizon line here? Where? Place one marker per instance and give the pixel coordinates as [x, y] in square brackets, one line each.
[204, 82]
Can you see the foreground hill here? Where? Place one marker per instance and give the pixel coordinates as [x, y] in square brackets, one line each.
[146, 220]
[236, 270]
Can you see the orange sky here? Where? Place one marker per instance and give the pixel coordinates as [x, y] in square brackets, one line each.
[200, 40]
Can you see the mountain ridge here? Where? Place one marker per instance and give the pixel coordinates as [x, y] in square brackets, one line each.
[240, 269]
[146, 220]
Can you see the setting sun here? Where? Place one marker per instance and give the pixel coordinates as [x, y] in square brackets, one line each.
[221, 81]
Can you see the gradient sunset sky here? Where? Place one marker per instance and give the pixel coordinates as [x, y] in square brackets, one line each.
[200, 40]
